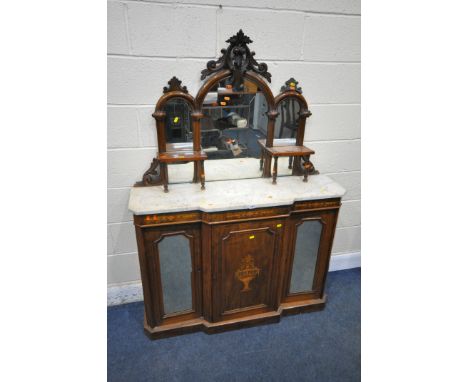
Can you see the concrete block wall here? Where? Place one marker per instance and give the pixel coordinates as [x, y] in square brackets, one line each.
[315, 41]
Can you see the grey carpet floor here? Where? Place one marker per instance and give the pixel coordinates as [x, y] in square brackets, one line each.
[320, 346]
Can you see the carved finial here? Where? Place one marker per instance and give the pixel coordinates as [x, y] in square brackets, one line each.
[175, 85]
[291, 84]
[239, 39]
[238, 58]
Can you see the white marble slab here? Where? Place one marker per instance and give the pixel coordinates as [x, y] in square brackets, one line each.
[232, 194]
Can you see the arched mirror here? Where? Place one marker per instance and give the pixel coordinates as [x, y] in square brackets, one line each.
[178, 124]
[287, 122]
[178, 132]
[233, 121]
[286, 129]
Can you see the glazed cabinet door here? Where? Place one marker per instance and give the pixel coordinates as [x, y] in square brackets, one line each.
[173, 273]
[308, 254]
[245, 262]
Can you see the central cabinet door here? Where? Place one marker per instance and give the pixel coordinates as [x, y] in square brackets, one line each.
[245, 257]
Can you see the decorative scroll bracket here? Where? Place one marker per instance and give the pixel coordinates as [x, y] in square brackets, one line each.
[309, 166]
[238, 58]
[152, 176]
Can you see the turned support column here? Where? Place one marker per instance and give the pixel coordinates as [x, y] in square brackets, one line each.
[275, 169]
[202, 174]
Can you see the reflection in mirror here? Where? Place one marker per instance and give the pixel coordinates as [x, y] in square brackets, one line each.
[305, 256]
[288, 119]
[178, 122]
[176, 273]
[233, 121]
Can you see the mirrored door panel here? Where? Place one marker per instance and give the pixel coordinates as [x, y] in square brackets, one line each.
[308, 234]
[175, 264]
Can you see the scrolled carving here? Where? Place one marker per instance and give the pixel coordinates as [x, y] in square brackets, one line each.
[175, 85]
[238, 58]
[152, 176]
[291, 84]
[307, 165]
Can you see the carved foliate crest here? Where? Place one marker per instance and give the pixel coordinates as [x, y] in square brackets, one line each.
[239, 39]
[175, 85]
[238, 58]
[291, 84]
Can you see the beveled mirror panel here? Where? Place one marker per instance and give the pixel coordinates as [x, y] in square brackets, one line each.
[305, 256]
[178, 123]
[175, 264]
[287, 122]
[233, 121]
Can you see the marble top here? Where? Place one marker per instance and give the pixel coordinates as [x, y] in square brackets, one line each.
[226, 195]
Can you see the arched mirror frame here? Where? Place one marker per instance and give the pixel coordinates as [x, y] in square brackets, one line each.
[160, 113]
[174, 91]
[292, 91]
[246, 67]
[249, 75]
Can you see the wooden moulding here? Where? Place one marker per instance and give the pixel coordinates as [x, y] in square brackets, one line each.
[154, 220]
[200, 324]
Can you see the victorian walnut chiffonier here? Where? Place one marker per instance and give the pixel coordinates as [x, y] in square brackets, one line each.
[241, 244]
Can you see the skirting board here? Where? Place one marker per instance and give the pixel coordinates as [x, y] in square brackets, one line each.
[347, 260]
[131, 292]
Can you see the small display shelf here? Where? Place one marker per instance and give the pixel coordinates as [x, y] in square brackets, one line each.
[275, 152]
[182, 156]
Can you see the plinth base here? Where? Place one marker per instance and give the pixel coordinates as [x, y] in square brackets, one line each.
[201, 324]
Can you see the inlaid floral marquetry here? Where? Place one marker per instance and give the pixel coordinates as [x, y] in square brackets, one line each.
[169, 218]
[247, 272]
